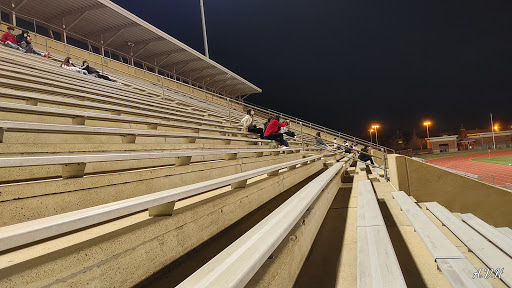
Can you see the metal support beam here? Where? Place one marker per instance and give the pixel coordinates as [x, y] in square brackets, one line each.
[188, 63]
[113, 37]
[75, 13]
[76, 20]
[16, 7]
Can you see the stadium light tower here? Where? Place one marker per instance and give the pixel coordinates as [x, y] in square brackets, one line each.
[492, 130]
[204, 31]
[371, 138]
[376, 134]
[426, 123]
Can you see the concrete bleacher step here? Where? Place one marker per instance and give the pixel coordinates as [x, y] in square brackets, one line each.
[476, 243]
[454, 264]
[127, 135]
[104, 255]
[237, 264]
[51, 72]
[80, 118]
[34, 99]
[92, 83]
[39, 86]
[489, 232]
[377, 264]
[28, 198]
[75, 165]
[23, 233]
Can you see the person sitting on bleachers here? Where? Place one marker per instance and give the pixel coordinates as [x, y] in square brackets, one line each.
[365, 157]
[68, 64]
[266, 123]
[9, 39]
[346, 147]
[320, 143]
[336, 146]
[248, 125]
[93, 71]
[25, 42]
[273, 131]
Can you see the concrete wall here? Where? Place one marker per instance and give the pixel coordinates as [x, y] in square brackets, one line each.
[456, 192]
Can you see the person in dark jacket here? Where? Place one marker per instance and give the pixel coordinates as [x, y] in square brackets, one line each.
[272, 132]
[346, 147]
[365, 157]
[25, 42]
[93, 71]
[9, 39]
[320, 143]
[266, 123]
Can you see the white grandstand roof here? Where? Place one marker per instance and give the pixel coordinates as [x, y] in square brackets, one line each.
[102, 21]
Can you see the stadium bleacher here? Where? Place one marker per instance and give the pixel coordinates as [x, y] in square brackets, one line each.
[139, 182]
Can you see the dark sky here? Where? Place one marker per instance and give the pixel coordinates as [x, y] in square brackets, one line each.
[345, 64]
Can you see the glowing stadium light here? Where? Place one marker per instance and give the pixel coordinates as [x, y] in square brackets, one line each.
[371, 138]
[376, 134]
[496, 127]
[426, 123]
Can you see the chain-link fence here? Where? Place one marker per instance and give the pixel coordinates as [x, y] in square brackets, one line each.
[490, 179]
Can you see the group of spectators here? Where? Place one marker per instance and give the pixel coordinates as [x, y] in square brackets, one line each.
[21, 42]
[363, 154]
[271, 130]
[85, 69]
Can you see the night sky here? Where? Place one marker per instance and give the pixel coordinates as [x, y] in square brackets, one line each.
[346, 64]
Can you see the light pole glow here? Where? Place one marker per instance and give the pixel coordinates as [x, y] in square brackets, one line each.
[371, 138]
[376, 134]
[426, 123]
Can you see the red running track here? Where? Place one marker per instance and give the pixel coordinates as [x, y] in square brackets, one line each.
[463, 163]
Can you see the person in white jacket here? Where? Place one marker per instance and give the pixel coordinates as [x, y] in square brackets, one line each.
[68, 64]
[248, 125]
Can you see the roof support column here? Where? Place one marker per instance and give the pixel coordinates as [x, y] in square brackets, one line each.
[13, 18]
[64, 36]
[102, 52]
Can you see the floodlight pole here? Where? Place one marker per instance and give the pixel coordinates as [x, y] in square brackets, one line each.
[376, 136]
[204, 31]
[492, 130]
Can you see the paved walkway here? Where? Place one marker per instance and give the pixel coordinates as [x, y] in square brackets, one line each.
[463, 163]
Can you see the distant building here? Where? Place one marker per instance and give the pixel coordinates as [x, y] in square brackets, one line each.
[470, 140]
[447, 143]
[484, 141]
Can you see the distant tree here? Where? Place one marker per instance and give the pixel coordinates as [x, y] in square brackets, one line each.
[416, 142]
[398, 141]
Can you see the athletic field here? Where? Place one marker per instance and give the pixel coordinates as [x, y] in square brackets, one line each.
[504, 160]
[480, 164]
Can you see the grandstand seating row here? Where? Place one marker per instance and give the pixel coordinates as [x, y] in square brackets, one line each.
[143, 178]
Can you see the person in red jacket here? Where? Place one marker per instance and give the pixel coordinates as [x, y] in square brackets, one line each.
[272, 132]
[9, 39]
